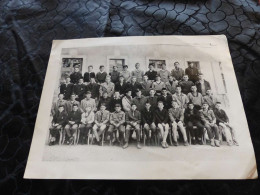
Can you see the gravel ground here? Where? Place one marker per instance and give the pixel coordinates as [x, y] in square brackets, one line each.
[155, 153]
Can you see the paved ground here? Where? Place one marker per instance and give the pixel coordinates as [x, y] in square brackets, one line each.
[155, 153]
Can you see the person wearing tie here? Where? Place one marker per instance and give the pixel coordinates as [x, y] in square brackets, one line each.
[133, 120]
[101, 121]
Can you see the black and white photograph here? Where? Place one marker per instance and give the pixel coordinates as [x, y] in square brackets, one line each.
[125, 107]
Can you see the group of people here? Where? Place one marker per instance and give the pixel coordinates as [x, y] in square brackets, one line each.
[153, 102]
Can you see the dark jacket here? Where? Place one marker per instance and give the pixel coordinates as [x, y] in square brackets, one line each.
[191, 115]
[101, 77]
[207, 86]
[94, 89]
[161, 116]
[133, 117]
[88, 75]
[80, 90]
[186, 86]
[74, 116]
[221, 116]
[106, 102]
[153, 101]
[134, 87]
[113, 102]
[66, 90]
[147, 116]
[151, 75]
[75, 76]
[114, 76]
[166, 101]
[193, 74]
[121, 88]
[60, 118]
[140, 102]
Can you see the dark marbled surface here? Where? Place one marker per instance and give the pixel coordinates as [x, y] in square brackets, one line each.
[27, 29]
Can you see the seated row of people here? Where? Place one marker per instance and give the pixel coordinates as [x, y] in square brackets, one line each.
[150, 119]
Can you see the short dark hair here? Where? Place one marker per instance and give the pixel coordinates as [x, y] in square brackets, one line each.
[101, 66]
[75, 105]
[103, 104]
[90, 66]
[61, 106]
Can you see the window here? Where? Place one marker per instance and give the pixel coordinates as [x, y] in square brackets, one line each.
[157, 63]
[68, 66]
[196, 64]
[116, 62]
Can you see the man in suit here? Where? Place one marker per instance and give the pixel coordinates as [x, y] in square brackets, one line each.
[161, 119]
[101, 122]
[191, 119]
[192, 72]
[79, 89]
[133, 121]
[177, 72]
[202, 85]
[76, 75]
[88, 75]
[114, 75]
[208, 119]
[73, 120]
[138, 73]
[66, 88]
[176, 116]
[117, 121]
[121, 86]
[148, 122]
[58, 122]
[151, 73]
[101, 75]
